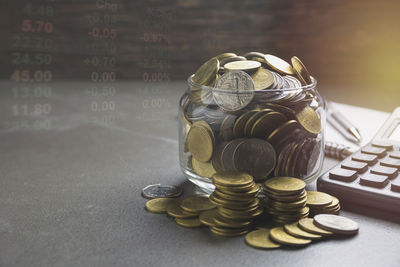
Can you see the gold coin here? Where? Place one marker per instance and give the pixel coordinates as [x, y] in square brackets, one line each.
[240, 123]
[233, 179]
[250, 122]
[263, 79]
[283, 131]
[242, 197]
[206, 73]
[159, 205]
[236, 189]
[309, 120]
[295, 230]
[285, 184]
[228, 232]
[301, 71]
[243, 65]
[260, 239]
[200, 142]
[237, 215]
[266, 124]
[287, 198]
[229, 223]
[225, 55]
[196, 204]
[307, 224]
[204, 169]
[279, 235]
[279, 65]
[207, 217]
[315, 198]
[192, 222]
[298, 206]
[288, 165]
[175, 210]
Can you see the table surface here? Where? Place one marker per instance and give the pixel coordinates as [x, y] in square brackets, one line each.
[70, 195]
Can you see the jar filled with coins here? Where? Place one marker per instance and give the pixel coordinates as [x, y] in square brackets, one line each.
[254, 113]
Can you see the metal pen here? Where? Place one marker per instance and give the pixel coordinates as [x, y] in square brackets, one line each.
[343, 125]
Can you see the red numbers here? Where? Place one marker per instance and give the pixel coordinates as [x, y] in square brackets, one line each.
[38, 26]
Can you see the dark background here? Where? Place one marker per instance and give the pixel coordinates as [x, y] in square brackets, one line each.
[351, 47]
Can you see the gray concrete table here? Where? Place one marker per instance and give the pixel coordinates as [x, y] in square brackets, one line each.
[70, 194]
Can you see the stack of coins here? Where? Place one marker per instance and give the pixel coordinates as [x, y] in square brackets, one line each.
[285, 199]
[186, 212]
[302, 232]
[237, 117]
[320, 203]
[235, 196]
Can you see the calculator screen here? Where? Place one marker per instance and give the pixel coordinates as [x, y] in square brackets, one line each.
[395, 135]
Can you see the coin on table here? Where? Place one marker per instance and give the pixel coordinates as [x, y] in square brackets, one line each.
[204, 169]
[232, 179]
[160, 205]
[255, 156]
[295, 230]
[336, 224]
[285, 184]
[309, 120]
[206, 73]
[228, 232]
[225, 55]
[263, 79]
[234, 90]
[207, 217]
[160, 190]
[260, 239]
[315, 198]
[279, 235]
[307, 224]
[175, 210]
[190, 223]
[301, 71]
[279, 65]
[197, 204]
[243, 65]
[200, 142]
[267, 123]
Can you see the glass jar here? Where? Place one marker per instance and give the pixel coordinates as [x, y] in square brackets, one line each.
[273, 132]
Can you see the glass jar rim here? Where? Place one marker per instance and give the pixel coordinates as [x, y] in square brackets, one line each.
[290, 89]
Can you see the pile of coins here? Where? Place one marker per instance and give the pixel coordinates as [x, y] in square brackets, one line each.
[186, 213]
[254, 113]
[303, 232]
[322, 203]
[285, 199]
[237, 204]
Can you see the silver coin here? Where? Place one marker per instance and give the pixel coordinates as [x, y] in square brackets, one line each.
[234, 90]
[336, 224]
[159, 190]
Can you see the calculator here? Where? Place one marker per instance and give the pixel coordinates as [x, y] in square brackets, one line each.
[369, 179]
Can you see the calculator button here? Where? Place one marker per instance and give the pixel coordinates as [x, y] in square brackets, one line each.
[360, 167]
[374, 180]
[379, 151]
[367, 158]
[387, 171]
[343, 175]
[391, 162]
[395, 155]
[383, 143]
[395, 185]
